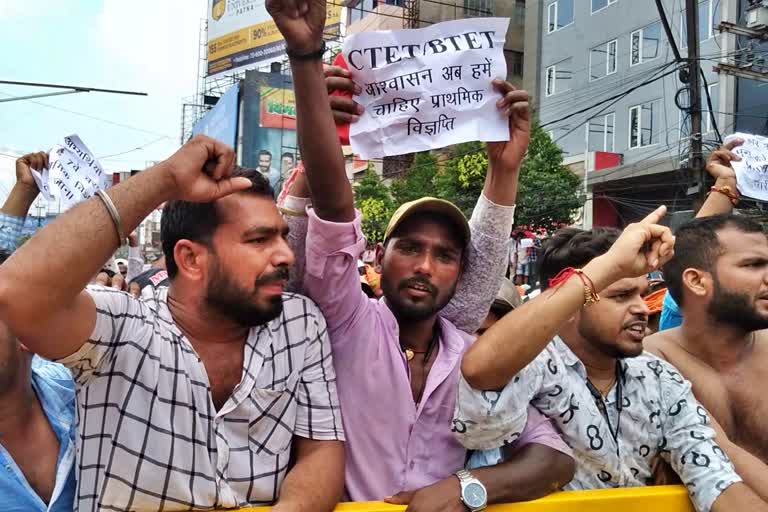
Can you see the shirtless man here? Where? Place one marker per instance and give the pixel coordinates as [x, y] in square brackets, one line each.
[719, 279]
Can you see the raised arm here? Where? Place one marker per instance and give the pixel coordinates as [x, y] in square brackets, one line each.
[302, 28]
[493, 216]
[719, 167]
[22, 195]
[515, 340]
[55, 319]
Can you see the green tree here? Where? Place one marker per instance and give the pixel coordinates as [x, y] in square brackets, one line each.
[374, 200]
[418, 181]
[548, 192]
[462, 176]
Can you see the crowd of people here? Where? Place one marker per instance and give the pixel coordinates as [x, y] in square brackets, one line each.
[273, 356]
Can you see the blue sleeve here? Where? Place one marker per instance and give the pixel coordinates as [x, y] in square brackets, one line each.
[10, 231]
[670, 314]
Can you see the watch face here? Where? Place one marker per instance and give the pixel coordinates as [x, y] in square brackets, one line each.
[474, 495]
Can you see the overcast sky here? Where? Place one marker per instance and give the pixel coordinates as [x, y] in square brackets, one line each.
[141, 45]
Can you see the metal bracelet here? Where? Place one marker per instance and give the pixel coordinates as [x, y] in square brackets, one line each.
[112, 213]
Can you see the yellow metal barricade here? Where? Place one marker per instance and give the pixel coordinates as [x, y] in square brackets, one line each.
[672, 498]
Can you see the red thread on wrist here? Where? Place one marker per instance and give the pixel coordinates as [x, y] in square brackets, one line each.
[562, 276]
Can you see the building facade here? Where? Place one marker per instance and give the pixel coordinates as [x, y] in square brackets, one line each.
[604, 80]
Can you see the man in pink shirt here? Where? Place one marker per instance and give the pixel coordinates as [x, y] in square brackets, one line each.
[397, 359]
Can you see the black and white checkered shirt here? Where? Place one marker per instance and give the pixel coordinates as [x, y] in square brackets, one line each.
[149, 436]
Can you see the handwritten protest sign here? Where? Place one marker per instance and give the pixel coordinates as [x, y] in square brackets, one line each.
[427, 88]
[73, 173]
[752, 170]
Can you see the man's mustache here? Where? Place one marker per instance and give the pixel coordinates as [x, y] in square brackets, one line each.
[406, 283]
[281, 274]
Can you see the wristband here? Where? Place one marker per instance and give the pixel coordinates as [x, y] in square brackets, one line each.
[728, 192]
[590, 295]
[316, 55]
[110, 206]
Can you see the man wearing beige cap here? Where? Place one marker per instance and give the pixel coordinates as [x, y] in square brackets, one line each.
[397, 359]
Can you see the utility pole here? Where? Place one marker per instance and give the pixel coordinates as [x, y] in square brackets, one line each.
[696, 157]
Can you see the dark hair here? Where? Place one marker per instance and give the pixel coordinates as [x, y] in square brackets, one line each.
[572, 247]
[4, 255]
[289, 155]
[265, 152]
[198, 221]
[697, 246]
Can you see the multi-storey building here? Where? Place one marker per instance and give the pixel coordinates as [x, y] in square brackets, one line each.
[605, 87]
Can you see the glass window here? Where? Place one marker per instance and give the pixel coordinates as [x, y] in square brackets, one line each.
[564, 13]
[645, 44]
[559, 14]
[518, 14]
[714, 94]
[612, 53]
[601, 4]
[652, 41]
[602, 60]
[558, 77]
[552, 17]
[475, 8]
[645, 124]
[708, 117]
[635, 42]
[550, 81]
[515, 62]
[600, 133]
[709, 17]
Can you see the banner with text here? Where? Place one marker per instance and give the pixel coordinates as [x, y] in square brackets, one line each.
[752, 170]
[73, 173]
[428, 88]
[241, 33]
[278, 108]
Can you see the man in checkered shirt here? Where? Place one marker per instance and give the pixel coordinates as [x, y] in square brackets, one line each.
[206, 396]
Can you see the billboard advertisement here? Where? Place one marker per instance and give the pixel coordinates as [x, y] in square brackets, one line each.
[241, 33]
[269, 126]
[277, 108]
[220, 122]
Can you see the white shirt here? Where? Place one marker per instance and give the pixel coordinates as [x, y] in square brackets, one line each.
[659, 416]
[149, 436]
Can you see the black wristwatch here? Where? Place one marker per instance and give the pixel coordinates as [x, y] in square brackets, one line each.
[318, 54]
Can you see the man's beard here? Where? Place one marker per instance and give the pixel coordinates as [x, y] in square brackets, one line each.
[735, 309]
[411, 311]
[231, 301]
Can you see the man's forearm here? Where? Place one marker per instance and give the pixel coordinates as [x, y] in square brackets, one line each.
[532, 472]
[316, 481]
[751, 469]
[718, 203]
[501, 184]
[739, 497]
[19, 200]
[498, 356]
[321, 151]
[82, 240]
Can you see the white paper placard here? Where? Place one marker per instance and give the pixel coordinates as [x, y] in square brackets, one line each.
[752, 170]
[427, 88]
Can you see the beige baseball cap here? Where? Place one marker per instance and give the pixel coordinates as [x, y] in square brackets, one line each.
[508, 296]
[432, 205]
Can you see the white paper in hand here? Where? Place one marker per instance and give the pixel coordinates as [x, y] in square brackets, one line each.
[752, 170]
[73, 174]
[428, 88]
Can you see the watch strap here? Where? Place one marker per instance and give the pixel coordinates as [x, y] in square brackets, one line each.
[316, 55]
[464, 475]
